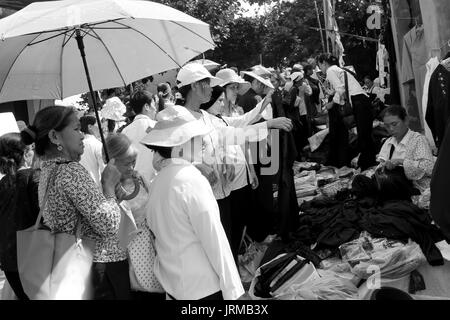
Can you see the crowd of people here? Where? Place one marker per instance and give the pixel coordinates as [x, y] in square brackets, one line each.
[193, 168]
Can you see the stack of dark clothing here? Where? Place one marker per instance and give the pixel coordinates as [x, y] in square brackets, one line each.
[331, 223]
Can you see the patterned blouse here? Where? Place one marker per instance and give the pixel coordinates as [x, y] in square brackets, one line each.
[415, 150]
[75, 196]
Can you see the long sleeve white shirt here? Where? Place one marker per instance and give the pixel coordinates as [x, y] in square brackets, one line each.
[194, 259]
[92, 158]
[136, 131]
[336, 78]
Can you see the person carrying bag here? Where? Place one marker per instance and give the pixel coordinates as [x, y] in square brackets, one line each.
[54, 262]
[54, 266]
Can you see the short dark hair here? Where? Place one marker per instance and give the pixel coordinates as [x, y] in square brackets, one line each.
[85, 121]
[110, 91]
[12, 151]
[185, 90]
[367, 77]
[165, 152]
[395, 110]
[248, 78]
[328, 58]
[216, 93]
[308, 67]
[139, 99]
[51, 118]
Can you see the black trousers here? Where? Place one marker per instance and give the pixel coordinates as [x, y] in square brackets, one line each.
[111, 281]
[240, 206]
[362, 108]
[215, 296]
[261, 213]
[339, 147]
[15, 283]
[339, 155]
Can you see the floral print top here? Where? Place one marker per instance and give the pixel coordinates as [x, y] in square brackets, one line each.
[75, 196]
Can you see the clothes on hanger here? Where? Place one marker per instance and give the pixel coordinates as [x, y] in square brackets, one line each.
[414, 60]
[438, 106]
[432, 64]
[382, 65]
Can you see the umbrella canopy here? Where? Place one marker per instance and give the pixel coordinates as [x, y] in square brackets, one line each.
[124, 41]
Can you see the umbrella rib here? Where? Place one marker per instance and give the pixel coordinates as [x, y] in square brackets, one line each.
[68, 39]
[55, 36]
[61, 63]
[110, 55]
[180, 25]
[15, 59]
[145, 36]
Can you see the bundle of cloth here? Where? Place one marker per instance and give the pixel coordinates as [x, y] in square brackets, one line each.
[330, 222]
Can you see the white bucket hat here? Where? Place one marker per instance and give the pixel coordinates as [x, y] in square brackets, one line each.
[193, 72]
[175, 126]
[261, 74]
[296, 76]
[114, 109]
[230, 76]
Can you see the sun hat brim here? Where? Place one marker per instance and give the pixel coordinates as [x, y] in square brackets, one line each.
[265, 82]
[165, 136]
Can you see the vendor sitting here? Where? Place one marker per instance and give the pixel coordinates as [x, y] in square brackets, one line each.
[406, 148]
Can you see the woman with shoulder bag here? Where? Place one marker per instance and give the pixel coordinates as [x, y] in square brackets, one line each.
[362, 111]
[70, 201]
[132, 194]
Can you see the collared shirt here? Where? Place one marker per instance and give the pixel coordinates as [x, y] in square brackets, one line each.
[336, 78]
[136, 131]
[237, 133]
[92, 158]
[194, 258]
[416, 153]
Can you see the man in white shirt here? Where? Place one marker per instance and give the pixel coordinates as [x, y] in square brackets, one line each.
[194, 259]
[92, 157]
[144, 105]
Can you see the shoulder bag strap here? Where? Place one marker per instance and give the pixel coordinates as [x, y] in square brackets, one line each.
[50, 181]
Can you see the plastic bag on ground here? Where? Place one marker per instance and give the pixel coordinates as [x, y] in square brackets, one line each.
[328, 286]
[392, 259]
[250, 260]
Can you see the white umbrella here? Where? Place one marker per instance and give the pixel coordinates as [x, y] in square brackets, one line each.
[120, 41]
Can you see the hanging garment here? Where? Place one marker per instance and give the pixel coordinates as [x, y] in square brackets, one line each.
[382, 64]
[393, 76]
[414, 60]
[438, 108]
[432, 64]
[287, 206]
[440, 184]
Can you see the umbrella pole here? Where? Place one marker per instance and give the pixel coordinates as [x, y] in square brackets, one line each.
[94, 100]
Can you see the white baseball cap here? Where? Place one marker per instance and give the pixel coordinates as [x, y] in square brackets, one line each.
[193, 72]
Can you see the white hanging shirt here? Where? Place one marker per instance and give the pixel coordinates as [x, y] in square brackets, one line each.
[194, 258]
